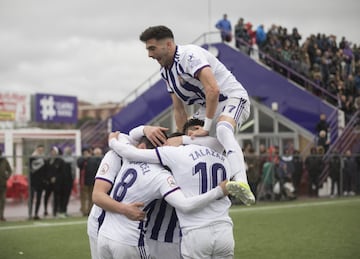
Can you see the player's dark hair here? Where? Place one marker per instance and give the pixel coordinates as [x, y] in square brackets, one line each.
[156, 32]
[176, 134]
[191, 123]
[146, 141]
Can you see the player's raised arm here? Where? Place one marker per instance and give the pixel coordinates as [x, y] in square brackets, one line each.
[130, 152]
[178, 200]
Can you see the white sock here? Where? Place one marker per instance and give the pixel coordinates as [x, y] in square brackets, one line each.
[225, 135]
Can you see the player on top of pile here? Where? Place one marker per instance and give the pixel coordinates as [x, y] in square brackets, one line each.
[195, 76]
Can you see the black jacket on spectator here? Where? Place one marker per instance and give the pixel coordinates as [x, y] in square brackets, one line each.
[92, 166]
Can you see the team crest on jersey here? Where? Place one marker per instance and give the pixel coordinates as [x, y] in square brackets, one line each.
[171, 181]
[104, 168]
[193, 61]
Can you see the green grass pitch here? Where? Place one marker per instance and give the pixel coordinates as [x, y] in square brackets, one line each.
[318, 229]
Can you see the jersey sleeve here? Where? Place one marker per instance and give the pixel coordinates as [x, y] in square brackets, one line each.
[137, 133]
[193, 61]
[132, 153]
[109, 167]
[178, 200]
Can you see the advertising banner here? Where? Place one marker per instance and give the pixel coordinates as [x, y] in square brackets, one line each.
[55, 108]
[14, 107]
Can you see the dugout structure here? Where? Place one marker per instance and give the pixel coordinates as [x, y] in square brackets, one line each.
[18, 144]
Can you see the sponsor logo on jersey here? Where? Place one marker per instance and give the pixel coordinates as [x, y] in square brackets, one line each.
[104, 168]
[171, 181]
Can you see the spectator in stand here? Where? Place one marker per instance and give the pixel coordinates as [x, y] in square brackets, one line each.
[69, 176]
[260, 36]
[37, 164]
[348, 58]
[295, 37]
[252, 36]
[241, 36]
[349, 173]
[323, 141]
[5, 172]
[322, 124]
[224, 25]
[84, 189]
[334, 172]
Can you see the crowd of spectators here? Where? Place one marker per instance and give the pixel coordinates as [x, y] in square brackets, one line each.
[329, 69]
[332, 67]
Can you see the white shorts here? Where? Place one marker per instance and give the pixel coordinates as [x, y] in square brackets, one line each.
[110, 249]
[93, 247]
[163, 250]
[213, 241]
[236, 108]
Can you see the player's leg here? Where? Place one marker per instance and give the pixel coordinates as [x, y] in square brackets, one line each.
[225, 243]
[234, 113]
[163, 250]
[93, 247]
[192, 246]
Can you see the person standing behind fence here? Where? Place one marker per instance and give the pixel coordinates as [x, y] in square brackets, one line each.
[37, 163]
[82, 164]
[92, 165]
[5, 172]
[314, 166]
[253, 169]
[298, 171]
[334, 172]
[349, 173]
[68, 180]
[224, 25]
[55, 175]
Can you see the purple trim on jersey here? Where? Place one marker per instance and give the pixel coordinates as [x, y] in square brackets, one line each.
[169, 192]
[197, 71]
[158, 155]
[142, 251]
[159, 218]
[225, 124]
[240, 109]
[149, 210]
[173, 86]
[141, 241]
[104, 179]
[169, 235]
[101, 219]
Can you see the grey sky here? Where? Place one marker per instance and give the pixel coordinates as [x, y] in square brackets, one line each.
[90, 48]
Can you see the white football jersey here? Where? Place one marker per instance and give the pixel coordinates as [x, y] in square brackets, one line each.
[162, 223]
[108, 169]
[198, 169]
[181, 77]
[136, 181]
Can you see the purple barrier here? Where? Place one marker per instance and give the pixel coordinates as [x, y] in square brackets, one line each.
[146, 107]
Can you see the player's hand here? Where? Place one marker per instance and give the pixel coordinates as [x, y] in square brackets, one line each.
[174, 141]
[223, 187]
[155, 134]
[114, 135]
[199, 132]
[134, 211]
